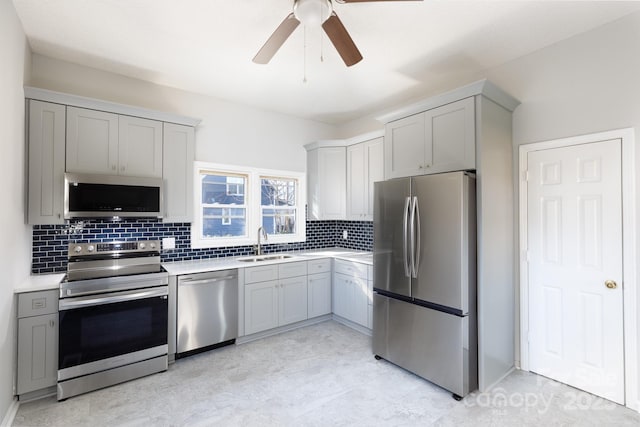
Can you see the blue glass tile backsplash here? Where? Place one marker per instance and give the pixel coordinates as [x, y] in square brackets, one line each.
[50, 242]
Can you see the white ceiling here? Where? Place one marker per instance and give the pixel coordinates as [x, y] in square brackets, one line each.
[410, 49]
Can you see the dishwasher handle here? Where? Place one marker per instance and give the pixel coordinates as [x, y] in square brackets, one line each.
[203, 281]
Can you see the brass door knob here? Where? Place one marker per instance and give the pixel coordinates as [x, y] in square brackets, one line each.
[611, 284]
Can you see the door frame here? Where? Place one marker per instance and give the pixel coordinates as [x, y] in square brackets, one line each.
[629, 246]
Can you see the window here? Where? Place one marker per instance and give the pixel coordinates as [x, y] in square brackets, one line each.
[278, 205]
[224, 213]
[234, 202]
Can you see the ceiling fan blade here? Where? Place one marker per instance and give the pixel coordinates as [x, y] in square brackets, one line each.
[341, 39]
[277, 39]
[367, 1]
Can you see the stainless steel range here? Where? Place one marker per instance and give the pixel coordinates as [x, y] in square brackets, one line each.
[113, 315]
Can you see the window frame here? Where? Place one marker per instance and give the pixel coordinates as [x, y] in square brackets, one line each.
[253, 205]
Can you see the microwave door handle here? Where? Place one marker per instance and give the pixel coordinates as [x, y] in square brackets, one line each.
[405, 226]
[415, 250]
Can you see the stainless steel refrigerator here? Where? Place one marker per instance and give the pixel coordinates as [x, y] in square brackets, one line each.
[424, 303]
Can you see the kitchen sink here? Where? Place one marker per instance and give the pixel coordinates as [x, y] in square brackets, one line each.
[264, 258]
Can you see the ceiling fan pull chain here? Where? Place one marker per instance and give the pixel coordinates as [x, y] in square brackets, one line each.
[322, 5]
[304, 74]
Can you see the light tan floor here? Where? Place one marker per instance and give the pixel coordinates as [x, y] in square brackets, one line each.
[321, 375]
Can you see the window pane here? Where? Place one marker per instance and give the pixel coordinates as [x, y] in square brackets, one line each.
[278, 192]
[223, 189]
[279, 221]
[223, 222]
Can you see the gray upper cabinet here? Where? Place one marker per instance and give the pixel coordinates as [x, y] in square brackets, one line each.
[92, 141]
[327, 183]
[46, 142]
[178, 154]
[140, 147]
[404, 146]
[105, 143]
[441, 139]
[365, 165]
[104, 139]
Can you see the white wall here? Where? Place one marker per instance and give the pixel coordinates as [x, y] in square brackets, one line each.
[229, 133]
[586, 84]
[15, 252]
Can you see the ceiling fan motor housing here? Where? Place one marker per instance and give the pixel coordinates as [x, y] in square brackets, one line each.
[312, 12]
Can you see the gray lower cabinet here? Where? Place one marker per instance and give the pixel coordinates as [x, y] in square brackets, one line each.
[37, 341]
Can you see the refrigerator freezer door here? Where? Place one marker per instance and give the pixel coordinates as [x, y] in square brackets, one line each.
[437, 346]
[445, 254]
[390, 242]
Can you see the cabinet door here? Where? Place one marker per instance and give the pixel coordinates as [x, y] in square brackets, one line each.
[341, 295]
[37, 352]
[327, 183]
[370, 304]
[178, 154]
[357, 204]
[404, 147]
[139, 147]
[359, 301]
[375, 171]
[319, 294]
[450, 137]
[261, 306]
[46, 162]
[92, 141]
[292, 302]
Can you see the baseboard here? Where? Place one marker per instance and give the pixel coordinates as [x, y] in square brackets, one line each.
[11, 413]
[275, 331]
[352, 325]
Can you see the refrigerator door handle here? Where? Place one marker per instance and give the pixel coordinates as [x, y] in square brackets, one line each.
[415, 236]
[405, 219]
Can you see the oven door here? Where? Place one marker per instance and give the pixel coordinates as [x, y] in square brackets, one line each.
[104, 331]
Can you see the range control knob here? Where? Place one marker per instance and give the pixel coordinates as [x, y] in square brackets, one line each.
[152, 245]
[77, 249]
[142, 246]
[90, 248]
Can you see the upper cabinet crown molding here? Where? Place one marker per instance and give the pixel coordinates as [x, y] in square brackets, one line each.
[324, 143]
[112, 107]
[481, 87]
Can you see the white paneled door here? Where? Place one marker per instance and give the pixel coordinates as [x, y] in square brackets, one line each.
[575, 266]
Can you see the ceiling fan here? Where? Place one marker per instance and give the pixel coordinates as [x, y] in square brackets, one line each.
[315, 12]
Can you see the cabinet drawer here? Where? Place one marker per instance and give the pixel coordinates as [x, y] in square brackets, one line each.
[37, 303]
[319, 266]
[292, 269]
[260, 274]
[354, 269]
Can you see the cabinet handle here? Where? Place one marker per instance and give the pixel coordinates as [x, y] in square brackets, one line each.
[59, 216]
[52, 323]
[122, 168]
[113, 167]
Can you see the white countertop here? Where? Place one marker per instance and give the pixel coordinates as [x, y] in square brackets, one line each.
[213, 264]
[43, 282]
[40, 282]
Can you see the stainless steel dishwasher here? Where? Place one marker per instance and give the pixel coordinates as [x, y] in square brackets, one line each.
[207, 310]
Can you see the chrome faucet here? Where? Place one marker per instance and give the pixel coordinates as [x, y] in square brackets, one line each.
[261, 233]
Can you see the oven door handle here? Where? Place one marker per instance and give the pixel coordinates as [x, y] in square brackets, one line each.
[72, 303]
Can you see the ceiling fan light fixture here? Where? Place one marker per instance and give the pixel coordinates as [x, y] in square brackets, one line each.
[312, 12]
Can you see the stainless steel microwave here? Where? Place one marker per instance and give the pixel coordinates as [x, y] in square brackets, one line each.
[109, 196]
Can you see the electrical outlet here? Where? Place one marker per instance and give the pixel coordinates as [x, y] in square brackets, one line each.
[345, 234]
[169, 243]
